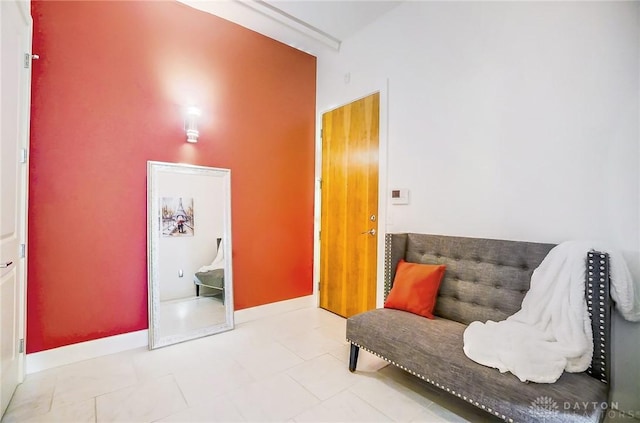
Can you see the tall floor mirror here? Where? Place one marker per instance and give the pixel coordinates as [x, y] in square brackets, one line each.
[189, 252]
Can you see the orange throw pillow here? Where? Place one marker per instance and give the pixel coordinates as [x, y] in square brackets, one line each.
[415, 288]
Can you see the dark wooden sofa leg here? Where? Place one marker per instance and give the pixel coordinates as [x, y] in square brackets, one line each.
[353, 357]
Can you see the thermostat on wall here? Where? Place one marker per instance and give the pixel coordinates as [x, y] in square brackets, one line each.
[399, 196]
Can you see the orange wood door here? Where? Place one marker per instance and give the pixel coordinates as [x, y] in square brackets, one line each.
[348, 233]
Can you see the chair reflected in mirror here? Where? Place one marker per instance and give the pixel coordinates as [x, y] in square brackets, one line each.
[212, 276]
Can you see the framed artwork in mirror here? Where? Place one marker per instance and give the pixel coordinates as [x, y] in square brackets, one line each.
[176, 214]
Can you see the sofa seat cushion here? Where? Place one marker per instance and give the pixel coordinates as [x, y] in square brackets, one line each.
[432, 350]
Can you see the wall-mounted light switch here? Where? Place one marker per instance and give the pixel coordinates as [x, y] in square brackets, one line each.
[180, 273]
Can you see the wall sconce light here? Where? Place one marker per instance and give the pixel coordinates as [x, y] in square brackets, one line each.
[191, 124]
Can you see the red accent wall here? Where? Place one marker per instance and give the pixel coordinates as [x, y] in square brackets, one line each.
[108, 94]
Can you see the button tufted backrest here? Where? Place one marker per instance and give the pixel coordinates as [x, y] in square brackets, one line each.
[486, 279]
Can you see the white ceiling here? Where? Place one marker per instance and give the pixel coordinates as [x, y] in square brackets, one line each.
[309, 25]
[337, 18]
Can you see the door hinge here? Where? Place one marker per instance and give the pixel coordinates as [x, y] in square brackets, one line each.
[320, 183]
[321, 132]
[21, 346]
[23, 251]
[23, 155]
[319, 235]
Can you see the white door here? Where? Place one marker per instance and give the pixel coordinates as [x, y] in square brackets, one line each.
[15, 80]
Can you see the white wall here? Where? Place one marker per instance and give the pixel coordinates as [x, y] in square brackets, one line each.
[509, 120]
[190, 253]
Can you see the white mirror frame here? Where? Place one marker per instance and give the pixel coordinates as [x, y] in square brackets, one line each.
[153, 240]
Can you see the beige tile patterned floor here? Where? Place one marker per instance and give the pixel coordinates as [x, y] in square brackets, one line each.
[287, 368]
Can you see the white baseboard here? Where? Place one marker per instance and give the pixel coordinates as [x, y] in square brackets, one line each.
[267, 310]
[81, 351]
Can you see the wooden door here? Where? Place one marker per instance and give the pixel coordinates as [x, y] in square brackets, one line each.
[349, 214]
[15, 79]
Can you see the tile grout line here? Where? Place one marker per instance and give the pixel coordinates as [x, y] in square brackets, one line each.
[184, 397]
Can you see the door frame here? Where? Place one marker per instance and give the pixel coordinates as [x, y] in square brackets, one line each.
[349, 96]
[23, 10]
[23, 212]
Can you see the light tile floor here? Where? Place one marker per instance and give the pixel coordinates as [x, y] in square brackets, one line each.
[287, 368]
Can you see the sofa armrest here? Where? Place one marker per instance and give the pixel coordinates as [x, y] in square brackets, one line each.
[395, 246]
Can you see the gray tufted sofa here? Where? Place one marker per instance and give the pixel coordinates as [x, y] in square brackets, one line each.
[485, 279]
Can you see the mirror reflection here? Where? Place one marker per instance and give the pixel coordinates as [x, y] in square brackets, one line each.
[190, 279]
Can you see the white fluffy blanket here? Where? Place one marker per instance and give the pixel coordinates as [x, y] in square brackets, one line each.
[552, 331]
[218, 262]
